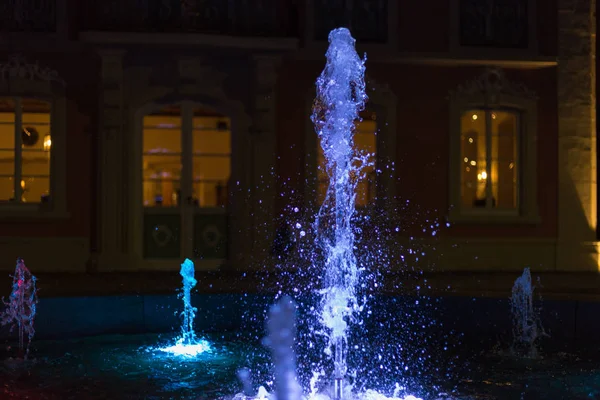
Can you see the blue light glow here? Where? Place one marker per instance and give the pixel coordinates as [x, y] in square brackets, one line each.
[188, 345]
[188, 350]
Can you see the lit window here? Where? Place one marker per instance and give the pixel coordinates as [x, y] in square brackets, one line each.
[164, 155]
[493, 169]
[25, 149]
[365, 143]
[211, 159]
[489, 152]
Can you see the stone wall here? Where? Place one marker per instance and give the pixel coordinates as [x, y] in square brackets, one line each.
[576, 248]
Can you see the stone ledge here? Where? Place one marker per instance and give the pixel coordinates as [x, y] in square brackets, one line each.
[582, 286]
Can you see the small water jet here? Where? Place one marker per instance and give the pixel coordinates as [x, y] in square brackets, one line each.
[21, 306]
[188, 344]
[281, 326]
[527, 328]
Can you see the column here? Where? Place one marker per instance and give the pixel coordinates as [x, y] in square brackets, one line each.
[111, 177]
[576, 246]
[264, 148]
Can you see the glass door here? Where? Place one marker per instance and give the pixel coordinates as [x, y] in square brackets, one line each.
[186, 169]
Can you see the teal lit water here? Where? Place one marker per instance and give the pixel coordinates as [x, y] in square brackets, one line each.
[131, 367]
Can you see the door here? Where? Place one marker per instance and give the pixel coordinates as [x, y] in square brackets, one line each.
[186, 167]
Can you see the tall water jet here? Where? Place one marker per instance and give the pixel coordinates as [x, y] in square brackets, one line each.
[526, 322]
[188, 344]
[21, 306]
[340, 98]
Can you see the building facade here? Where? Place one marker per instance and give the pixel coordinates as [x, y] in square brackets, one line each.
[139, 133]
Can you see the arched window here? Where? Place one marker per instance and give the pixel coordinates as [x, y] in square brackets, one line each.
[493, 161]
[25, 150]
[186, 168]
[32, 140]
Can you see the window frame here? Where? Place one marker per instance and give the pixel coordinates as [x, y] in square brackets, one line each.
[19, 79]
[492, 91]
[187, 156]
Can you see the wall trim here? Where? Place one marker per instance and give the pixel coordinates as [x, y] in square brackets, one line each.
[45, 254]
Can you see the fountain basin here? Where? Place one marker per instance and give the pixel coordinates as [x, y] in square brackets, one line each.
[107, 345]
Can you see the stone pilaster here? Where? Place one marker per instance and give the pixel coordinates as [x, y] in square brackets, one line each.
[576, 247]
[264, 142]
[112, 205]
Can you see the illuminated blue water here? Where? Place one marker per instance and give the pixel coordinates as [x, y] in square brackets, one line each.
[340, 98]
[188, 345]
[126, 367]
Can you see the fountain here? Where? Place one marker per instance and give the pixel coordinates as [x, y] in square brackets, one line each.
[527, 328]
[281, 326]
[188, 345]
[21, 306]
[340, 97]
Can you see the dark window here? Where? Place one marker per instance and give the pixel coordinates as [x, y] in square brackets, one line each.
[366, 19]
[494, 23]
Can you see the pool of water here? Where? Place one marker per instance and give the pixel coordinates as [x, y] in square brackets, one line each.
[129, 367]
[132, 367]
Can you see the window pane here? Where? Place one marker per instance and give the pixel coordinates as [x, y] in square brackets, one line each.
[473, 159]
[211, 178]
[35, 189]
[211, 164]
[35, 162]
[7, 162]
[161, 162]
[504, 158]
[7, 188]
[160, 192]
[7, 123]
[36, 144]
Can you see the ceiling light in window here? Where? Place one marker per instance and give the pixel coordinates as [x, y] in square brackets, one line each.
[470, 140]
[474, 116]
[473, 162]
[466, 159]
[47, 143]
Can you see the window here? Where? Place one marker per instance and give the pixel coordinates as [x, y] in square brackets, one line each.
[365, 142]
[499, 24]
[489, 155]
[164, 152]
[185, 172]
[25, 150]
[368, 20]
[493, 151]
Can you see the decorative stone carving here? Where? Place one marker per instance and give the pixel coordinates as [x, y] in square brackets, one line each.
[204, 77]
[490, 84]
[18, 68]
